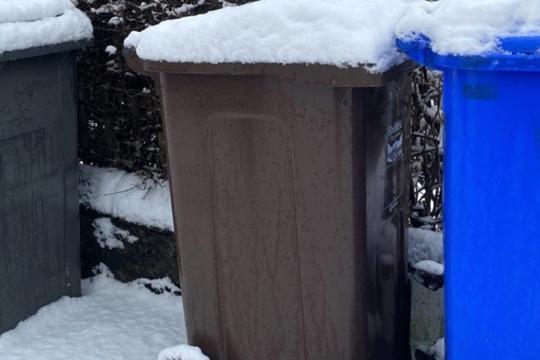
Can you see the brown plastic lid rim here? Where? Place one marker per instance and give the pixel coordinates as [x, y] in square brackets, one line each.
[313, 74]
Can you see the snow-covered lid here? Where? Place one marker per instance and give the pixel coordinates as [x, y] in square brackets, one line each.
[467, 27]
[26, 24]
[517, 53]
[331, 32]
[29, 10]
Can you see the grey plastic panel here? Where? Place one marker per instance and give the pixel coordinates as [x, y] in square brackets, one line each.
[44, 50]
[39, 228]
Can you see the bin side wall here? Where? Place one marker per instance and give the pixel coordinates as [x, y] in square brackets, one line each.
[491, 207]
[38, 181]
[271, 217]
[382, 115]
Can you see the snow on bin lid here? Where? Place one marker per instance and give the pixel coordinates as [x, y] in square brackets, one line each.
[469, 27]
[330, 32]
[27, 24]
[517, 53]
[29, 10]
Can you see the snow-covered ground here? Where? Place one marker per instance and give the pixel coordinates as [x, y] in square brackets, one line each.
[111, 321]
[183, 352]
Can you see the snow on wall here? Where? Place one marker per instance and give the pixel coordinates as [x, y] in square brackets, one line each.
[467, 27]
[425, 245]
[335, 32]
[25, 24]
[127, 196]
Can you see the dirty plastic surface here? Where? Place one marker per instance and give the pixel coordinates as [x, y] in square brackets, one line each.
[289, 193]
[491, 205]
[39, 229]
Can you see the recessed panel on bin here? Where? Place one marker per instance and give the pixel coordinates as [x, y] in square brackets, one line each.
[256, 234]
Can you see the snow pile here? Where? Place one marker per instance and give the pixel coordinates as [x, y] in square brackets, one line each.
[110, 236]
[425, 245]
[31, 23]
[438, 350]
[468, 27]
[430, 267]
[182, 352]
[30, 10]
[334, 32]
[111, 321]
[111, 50]
[159, 286]
[127, 196]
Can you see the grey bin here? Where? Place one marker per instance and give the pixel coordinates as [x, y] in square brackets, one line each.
[39, 224]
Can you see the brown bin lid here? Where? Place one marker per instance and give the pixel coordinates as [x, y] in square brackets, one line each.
[341, 43]
[313, 74]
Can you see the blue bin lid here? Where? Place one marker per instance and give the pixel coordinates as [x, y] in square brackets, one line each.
[514, 54]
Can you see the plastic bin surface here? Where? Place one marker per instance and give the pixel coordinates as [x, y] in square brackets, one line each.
[289, 195]
[39, 229]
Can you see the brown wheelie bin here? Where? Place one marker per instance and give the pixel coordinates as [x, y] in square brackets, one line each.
[290, 207]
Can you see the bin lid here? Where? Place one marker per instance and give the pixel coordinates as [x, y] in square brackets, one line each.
[37, 27]
[337, 34]
[472, 34]
[514, 53]
[312, 74]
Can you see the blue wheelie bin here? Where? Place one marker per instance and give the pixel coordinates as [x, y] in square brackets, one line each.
[491, 198]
